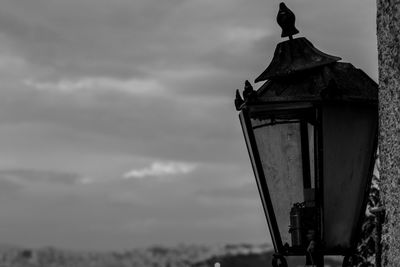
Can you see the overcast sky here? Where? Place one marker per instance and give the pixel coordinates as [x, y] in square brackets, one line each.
[117, 123]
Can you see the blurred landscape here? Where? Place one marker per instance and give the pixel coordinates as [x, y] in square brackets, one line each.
[238, 255]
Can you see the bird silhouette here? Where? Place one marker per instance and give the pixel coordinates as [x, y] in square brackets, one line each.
[286, 20]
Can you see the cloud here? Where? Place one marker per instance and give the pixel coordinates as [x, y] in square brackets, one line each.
[132, 86]
[9, 188]
[241, 39]
[87, 180]
[93, 88]
[161, 169]
[24, 177]
[230, 193]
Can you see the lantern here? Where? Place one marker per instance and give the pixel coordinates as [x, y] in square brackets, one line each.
[311, 133]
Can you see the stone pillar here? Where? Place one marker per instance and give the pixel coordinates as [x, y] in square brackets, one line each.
[388, 31]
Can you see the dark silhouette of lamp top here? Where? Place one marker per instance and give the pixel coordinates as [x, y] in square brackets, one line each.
[293, 55]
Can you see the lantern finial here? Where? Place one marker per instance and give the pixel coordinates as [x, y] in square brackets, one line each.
[286, 20]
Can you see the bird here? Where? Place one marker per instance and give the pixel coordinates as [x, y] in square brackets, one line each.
[286, 20]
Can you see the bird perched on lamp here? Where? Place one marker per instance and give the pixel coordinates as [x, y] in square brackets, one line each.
[286, 20]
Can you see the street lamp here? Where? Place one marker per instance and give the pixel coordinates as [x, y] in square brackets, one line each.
[311, 133]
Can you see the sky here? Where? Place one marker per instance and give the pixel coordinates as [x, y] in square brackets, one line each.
[117, 123]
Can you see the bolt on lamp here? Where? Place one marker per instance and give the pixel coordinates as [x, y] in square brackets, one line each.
[311, 133]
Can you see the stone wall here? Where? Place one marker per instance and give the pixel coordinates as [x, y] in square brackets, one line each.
[388, 31]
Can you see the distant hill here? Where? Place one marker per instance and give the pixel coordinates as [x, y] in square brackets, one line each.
[257, 260]
[240, 255]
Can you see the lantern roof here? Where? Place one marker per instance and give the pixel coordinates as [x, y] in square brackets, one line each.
[300, 72]
[292, 56]
[336, 81]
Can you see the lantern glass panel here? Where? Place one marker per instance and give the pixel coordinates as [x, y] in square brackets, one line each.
[348, 137]
[279, 144]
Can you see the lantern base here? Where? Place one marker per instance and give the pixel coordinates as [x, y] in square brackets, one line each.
[279, 261]
[314, 260]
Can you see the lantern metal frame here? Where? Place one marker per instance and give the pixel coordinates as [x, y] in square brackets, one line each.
[300, 82]
[305, 110]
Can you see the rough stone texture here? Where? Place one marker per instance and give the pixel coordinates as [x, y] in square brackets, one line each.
[388, 31]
